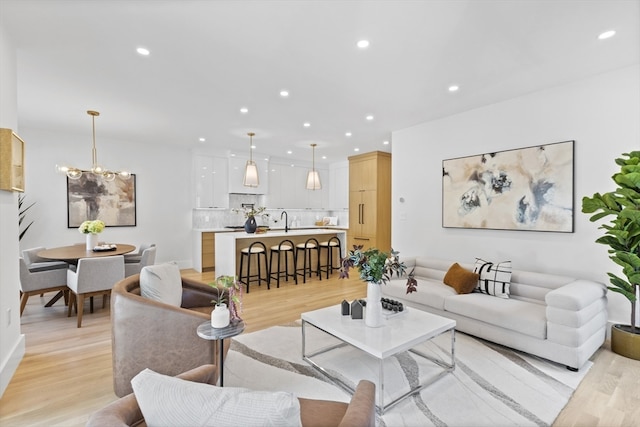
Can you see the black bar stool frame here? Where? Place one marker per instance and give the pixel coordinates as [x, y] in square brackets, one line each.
[286, 247]
[261, 250]
[307, 247]
[330, 245]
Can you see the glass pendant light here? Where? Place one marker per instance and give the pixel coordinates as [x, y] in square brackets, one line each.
[313, 177]
[251, 170]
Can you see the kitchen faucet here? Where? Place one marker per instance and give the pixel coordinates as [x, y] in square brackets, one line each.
[286, 221]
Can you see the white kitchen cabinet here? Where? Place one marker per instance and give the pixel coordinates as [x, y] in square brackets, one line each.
[236, 175]
[211, 181]
[339, 185]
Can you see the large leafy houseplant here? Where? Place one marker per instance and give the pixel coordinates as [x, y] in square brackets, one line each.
[622, 233]
[376, 266]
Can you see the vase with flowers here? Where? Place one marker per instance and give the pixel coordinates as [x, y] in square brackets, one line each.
[91, 229]
[250, 214]
[376, 268]
[229, 291]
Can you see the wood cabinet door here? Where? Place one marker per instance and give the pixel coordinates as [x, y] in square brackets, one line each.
[362, 175]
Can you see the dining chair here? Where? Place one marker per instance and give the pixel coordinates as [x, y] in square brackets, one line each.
[148, 258]
[93, 276]
[40, 282]
[35, 263]
[134, 257]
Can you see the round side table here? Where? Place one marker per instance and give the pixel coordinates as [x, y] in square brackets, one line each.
[207, 332]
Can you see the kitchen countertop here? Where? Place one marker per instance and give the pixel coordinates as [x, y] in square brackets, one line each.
[231, 230]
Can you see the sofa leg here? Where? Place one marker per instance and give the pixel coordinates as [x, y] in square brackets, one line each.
[572, 369]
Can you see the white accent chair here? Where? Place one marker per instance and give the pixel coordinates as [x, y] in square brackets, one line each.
[35, 263]
[94, 276]
[134, 257]
[39, 282]
[148, 258]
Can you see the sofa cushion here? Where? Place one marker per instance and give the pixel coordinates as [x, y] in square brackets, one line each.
[519, 316]
[494, 277]
[431, 293]
[461, 279]
[171, 401]
[162, 282]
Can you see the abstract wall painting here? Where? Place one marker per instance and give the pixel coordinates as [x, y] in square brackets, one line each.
[91, 197]
[527, 189]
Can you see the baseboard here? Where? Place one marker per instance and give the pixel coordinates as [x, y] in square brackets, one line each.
[10, 364]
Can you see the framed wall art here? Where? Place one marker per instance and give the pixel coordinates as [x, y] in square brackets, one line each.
[522, 189]
[91, 197]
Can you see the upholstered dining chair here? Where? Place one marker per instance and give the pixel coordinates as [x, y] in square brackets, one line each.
[35, 263]
[148, 258]
[93, 276]
[39, 282]
[134, 257]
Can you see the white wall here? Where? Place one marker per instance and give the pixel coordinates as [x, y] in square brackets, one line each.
[163, 177]
[600, 113]
[12, 342]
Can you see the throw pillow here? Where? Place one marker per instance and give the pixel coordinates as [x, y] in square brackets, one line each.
[461, 279]
[494, 277]
[162, 282]
[171, 401]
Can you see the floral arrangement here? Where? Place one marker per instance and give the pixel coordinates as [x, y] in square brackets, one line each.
[91, 227]
[251, 211]
[376, 266]
[234, 292]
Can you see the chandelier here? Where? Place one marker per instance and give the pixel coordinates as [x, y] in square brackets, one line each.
[251, 170]
[96, 169]
[313, 177]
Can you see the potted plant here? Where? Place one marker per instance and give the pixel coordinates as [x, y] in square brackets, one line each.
[91, 229]
[622, 235]
[228, 289]
[250, 214]
[375, 267]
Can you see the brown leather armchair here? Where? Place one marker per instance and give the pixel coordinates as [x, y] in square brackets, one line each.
[359, 412]
[149, 334]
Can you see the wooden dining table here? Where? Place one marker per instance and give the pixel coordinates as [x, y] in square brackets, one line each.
[71, 254]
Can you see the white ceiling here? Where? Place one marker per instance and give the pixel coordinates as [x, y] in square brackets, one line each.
[209, 58]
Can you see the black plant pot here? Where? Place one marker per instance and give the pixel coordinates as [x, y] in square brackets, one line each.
[250, 225]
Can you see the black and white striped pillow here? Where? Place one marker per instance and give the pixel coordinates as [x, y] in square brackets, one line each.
[494, 278]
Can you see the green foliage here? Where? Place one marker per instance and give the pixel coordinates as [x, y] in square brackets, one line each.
[229, 284]
[622, 233]
[376, 266]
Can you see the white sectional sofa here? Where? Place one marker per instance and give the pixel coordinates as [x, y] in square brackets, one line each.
[559, 318]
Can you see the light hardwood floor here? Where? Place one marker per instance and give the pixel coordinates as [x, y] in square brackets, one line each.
[66, 372]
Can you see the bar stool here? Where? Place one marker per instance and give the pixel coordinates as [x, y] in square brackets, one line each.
[257, 249]
[286, 248]
[330, 245]
[307, 249]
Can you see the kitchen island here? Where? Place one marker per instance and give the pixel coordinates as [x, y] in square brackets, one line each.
[228, 245]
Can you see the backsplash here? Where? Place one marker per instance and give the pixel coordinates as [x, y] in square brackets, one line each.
[219, 218]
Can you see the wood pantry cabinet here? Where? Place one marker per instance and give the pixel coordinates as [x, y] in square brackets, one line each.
[208, 253]
[370, 201]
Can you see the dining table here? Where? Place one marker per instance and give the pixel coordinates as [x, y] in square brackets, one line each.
[71, 254]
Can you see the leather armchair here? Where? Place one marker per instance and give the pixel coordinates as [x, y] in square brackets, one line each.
[149, 334]
[359, 412]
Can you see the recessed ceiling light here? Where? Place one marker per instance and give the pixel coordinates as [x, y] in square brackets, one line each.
[347, 134]
[244, 110]
[454, 88]
[284, 93]
[324, 157]
[289, 152]
[143, 51]
[307, 124]
[385, 142]
[356, 149]
[202, 140]
[253, 147]
[607, 34]
[369, 117]
[363, 44]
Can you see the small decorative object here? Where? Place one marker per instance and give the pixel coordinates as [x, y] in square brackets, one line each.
[622, 235]
[91, 229]
[250, 214]
[375, 267]
[233, 295]
[250, 225]
[357, 309]
[346, 308]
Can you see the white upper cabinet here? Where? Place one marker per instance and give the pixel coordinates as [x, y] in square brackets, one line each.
[287, 188]
[236, 175]
[211, 181]
[339, 185]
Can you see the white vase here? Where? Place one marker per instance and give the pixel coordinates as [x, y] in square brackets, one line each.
[92, 241]
[220, 316]
[373, 313]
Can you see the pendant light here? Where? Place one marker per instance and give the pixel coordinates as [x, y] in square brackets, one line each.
[251, 170]
[96, 169]
[313, 178]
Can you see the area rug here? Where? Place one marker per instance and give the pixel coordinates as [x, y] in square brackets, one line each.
[490, 386]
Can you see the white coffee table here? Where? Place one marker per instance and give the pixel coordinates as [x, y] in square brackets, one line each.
[399, 333]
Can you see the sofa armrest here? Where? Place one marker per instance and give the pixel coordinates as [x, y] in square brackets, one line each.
[362, 408]
[125, 412]
[576, 295]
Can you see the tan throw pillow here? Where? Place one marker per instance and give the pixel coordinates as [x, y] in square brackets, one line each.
[460, 279]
